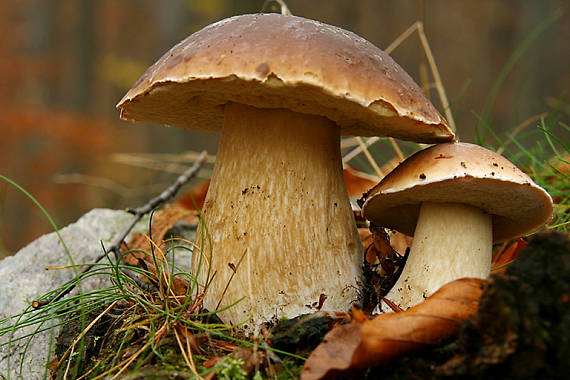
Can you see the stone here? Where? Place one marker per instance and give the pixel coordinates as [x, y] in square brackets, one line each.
[24, 278]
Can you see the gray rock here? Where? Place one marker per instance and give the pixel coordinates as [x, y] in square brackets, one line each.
[23, 278]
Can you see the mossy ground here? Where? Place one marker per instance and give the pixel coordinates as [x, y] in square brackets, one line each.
[522, 330]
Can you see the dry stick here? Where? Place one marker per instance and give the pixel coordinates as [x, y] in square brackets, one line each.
[234, 270]
[519, 128]
[356, 151]
[138, 214]
[436, 77]
[402, 37]
[424, 77]
[187, 356]
[369, 157]
[399, 153]
[418, 25]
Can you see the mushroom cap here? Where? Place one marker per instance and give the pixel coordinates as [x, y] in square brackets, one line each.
[459, 173]
[282, 61]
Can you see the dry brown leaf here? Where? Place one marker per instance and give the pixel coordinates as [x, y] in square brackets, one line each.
[359, 345]
[400, 242]
[503, 257]
[195, 197]
[162, 221]
[357, 182]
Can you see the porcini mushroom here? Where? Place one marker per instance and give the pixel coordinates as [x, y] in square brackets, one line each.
[456, 200]
[281, 90]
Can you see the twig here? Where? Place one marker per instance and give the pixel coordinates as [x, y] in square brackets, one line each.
[402, 37]
[419, 26]
[369, 157]
[436, 77]
[138, 214]
[399, 153]
[356, 151]
[234, 271]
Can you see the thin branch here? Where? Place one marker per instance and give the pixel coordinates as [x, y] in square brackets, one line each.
[356, 151]
[138, 214]
[399, 153]
[402, 37]
[369, 157]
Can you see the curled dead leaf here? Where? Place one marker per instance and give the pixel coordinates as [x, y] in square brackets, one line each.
[360, 345]
[504, 256]
[139, 247]
[195, 197]
[357, 182]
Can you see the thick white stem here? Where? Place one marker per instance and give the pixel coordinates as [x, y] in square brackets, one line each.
[451, 241]
[278, 213]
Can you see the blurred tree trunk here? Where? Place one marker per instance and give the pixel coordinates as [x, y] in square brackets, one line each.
[41, 34]
[85, 53]
[170, 21]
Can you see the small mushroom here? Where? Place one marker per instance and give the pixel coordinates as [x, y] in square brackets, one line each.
[281, 90]
[456, 200]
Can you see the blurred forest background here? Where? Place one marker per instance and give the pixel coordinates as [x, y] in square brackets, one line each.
[64, 64]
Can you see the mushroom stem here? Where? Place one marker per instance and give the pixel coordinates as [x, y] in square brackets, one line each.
[451, 241]
[282, 232]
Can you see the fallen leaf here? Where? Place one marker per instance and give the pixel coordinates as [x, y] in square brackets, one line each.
[360, 345]
[194, 199]
[139, 246]
[503, 257]
[357, 182]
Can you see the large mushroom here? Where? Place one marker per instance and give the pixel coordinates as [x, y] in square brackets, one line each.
[281, 237]
[456, 200]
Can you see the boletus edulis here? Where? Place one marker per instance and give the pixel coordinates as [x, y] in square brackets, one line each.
[456, 200]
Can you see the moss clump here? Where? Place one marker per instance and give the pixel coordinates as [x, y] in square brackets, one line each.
[300, 334]
[522, 327]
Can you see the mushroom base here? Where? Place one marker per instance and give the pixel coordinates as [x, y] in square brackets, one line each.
[282, 236]
[451, 241]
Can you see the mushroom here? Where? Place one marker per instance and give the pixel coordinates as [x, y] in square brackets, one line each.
[456, 200]
[280, 235]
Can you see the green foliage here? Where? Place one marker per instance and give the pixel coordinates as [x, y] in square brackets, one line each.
[230, 369]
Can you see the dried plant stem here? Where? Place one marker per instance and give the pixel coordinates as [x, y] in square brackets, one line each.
[419, 26]
[369, 157]
[356, 151]
[80, 336]
[399, 153]
[402, 37]
[519, 128]
[437, 78]
[187, 354]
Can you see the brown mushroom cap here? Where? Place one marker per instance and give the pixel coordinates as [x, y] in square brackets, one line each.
[279, 61]
[459, 173]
